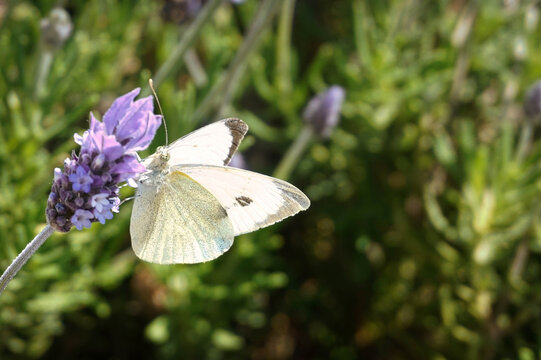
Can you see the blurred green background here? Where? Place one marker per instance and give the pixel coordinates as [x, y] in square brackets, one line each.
[423, 239]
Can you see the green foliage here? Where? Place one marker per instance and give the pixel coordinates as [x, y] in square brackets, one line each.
[423, 236]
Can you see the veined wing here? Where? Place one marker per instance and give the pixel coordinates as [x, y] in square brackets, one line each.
[178, 221]
[252, 200]
[213, 144]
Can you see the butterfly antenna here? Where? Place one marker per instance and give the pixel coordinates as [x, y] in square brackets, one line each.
[127, 199]
[151, 84]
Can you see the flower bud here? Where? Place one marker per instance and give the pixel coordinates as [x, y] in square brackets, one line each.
[51, 213]
[85, 159]
[323, 111]
[79, 202]
[56, 28]
[52, 198]
[532, 102]
[57, 174]
[98, 162]
[60, 209]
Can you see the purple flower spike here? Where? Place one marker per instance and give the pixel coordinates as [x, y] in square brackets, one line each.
[532, 103]
[86, 190]
[323, 111]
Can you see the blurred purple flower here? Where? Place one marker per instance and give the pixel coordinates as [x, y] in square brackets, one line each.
[56, 28]
[238, 161]
[86, 190]
[532, 103]
[323, 111]
[179, 11]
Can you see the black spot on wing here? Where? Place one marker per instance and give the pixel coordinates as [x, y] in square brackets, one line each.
[238, 129]
[244, 200]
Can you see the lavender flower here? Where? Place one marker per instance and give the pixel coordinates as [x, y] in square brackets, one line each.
[56, 28]
[323, 111]
[532, 102]
[179, 11]
[81, 218]
[81, 180]
[238, 161]
[86, 190]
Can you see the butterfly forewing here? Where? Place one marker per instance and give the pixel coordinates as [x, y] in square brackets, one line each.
[252, 200]
[213, 144]
[178, 221]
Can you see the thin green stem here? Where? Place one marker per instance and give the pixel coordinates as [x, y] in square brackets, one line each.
[360, 29]
[525, 141]
[225, 86]
[174, 60]
[45, 60]
[23, 257]
[461, 40]
[516, 269]
[283, 48]
[519, 261]
[294, 153]
[229, 92]
[196, 70]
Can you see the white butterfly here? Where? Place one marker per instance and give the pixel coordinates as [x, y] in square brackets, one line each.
[189, 205]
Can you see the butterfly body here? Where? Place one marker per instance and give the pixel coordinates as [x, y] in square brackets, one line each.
[189, 205]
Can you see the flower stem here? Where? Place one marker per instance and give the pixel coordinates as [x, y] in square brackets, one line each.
[461, 40]
[174, 60]
[283, 48]
[194, 67]
[525, 141]
[42, 71]
[293, 154]
[23, 257]
[225, 86]
[519, 261]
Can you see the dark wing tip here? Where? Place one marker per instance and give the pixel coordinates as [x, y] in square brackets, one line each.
[304, 202]
[236, 125]
[300, 198]
[293, 194]
[238, 129]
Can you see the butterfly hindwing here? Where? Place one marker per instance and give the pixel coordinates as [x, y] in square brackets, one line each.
[178, 221]
[252, 200]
